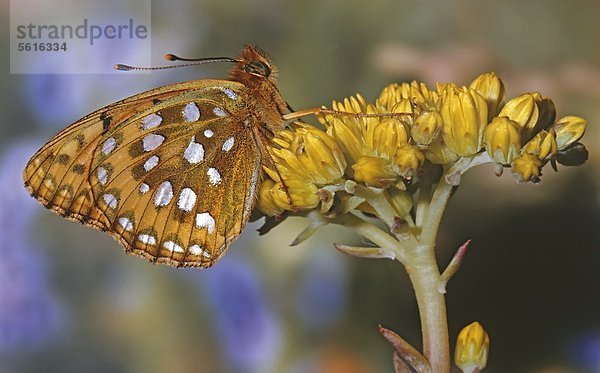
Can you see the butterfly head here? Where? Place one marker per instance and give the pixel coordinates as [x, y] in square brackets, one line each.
[253, 67]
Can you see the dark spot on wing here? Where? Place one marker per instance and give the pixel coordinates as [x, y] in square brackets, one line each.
[106, 120]
[63, 158]
[78, 168]
[80, 140]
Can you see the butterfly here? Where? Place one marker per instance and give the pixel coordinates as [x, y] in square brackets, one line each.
[172, 173]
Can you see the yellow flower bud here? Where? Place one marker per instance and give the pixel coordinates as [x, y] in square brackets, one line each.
[426, 127]
[472, 348]
[348, 134]
[413, 92]
[542, 145]
[388, 97]
[569, 130]
[465, 115]
[303, 195]
[372, 136]
[417, 92]
[407, 161]
[502, 140]
[403, 106]
[438, 153]
[491, 88]
[373, 171]
[383, 137]
[533, 112]
[265, 202]
[549, 146]
[523, 110]
[309, 154]
[443, 88]
[351, 105]
[527, 167]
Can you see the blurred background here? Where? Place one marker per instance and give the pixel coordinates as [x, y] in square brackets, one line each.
[72, 301]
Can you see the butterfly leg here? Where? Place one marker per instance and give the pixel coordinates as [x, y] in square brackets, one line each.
[270, 162]
[323, 110]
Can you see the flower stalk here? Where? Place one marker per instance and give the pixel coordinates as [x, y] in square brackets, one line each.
[425, 277]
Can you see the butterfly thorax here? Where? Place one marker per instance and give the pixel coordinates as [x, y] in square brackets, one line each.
[255, 70]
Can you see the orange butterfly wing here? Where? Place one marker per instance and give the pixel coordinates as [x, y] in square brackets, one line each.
[171, 173]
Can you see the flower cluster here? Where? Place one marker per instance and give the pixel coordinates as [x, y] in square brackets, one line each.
[410, 128]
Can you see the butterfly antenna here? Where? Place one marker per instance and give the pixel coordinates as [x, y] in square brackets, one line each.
[172, 57]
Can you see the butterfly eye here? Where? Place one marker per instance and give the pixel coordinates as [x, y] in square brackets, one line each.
[256, 67]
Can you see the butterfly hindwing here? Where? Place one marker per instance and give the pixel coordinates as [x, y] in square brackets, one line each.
[170, 173]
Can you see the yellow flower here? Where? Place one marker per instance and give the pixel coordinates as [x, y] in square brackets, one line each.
[472, 348]
[308, 154]
[407, 160]
[349, 130]
[491, 88]
[526, 167]
[382, 137]
[415, 92]
[542, 145]
[348, 133]
[374, 136]
[522, 109]
[403, 106]
[465, 115]
[502, 140]
[303, 195]
[265, 202]
[304, 158]
[426, 127]
[531, 111]
[569, 130]
[440, 125]
[373, 171]
[354, 104]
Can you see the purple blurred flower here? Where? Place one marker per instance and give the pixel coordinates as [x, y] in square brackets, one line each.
[28, 312]
[585, 351]
[16, 206]
[54, 99]
[322, 290]
[246, 325]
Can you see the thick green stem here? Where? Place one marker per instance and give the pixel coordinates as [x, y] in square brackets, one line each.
[424, 198]
[432, 220]
[425, 276]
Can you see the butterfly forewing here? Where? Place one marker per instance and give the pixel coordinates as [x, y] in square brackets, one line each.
[171, 174]
[57, 174]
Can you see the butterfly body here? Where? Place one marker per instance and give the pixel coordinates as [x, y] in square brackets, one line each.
[171, 173]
